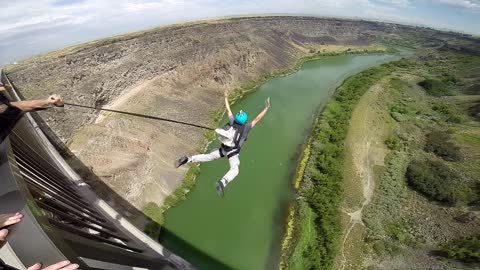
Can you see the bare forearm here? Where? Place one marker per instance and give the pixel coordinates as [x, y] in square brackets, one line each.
[261, 115]
[227, 105]
[30, 105]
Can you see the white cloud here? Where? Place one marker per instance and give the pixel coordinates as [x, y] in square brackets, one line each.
[141, 6]
[27, 15]
[399, 3]
[472, 5]
[48, 21]
[50, 24]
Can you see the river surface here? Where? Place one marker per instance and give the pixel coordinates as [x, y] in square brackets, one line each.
[243, 230]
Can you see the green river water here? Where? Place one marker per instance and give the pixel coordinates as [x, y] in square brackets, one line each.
[244, 229]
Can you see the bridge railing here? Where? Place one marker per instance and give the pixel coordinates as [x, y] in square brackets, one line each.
[63, 218]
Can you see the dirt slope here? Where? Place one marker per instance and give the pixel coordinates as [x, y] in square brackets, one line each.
[365, 152]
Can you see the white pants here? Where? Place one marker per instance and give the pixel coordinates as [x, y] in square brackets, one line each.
[215, 154]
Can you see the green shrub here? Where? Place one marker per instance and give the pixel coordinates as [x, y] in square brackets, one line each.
[398, 117]
[398, 232]
[379, 248]
[435, 87]
[399, 112]
[442, 108]
[465, 250]
[450, 79]
[452, 115]
[399, 108]
[153, 230]
[393, 143]
[392, 248]
[153, 211]
[456, 119]
[438, 142]
[403, 63]
[398, 84]
[438, 182]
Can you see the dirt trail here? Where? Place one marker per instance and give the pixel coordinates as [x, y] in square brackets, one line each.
[366, 150]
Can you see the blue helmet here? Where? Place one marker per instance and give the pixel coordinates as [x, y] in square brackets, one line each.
[241, 117]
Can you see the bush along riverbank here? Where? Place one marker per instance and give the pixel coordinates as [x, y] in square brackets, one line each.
[316, 238]
[156, 212]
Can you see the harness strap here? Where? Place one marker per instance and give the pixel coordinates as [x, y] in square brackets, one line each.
[233, 153]
[238, 135]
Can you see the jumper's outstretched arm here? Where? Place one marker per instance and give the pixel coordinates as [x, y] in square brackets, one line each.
[227, 105]
[262, 114]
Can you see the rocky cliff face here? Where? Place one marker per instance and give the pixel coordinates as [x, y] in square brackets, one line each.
[177, 72]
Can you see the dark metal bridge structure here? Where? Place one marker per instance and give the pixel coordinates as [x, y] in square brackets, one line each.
[63, 217]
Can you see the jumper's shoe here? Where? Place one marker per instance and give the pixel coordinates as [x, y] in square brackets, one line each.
[181, 161]
[220, 189]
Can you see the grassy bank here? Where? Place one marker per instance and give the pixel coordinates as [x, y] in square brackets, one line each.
[431, 174]
[293, 209]
[321, 189]
[154, 211]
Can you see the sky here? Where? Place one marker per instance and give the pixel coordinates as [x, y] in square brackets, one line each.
[30, 27]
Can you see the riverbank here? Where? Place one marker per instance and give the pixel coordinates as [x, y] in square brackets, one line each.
[400, 119]
[322, 180]
[154, 211]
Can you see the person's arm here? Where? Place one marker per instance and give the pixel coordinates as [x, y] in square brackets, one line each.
[30, 105]
[227, 105]
[262, 114]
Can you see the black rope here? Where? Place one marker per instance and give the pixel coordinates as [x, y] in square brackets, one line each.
[141, 115]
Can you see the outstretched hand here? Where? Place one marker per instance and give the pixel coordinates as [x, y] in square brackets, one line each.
[225, 94]
[56, 100]
[267, 103]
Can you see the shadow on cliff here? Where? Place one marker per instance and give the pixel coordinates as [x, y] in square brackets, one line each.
[198, 258]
